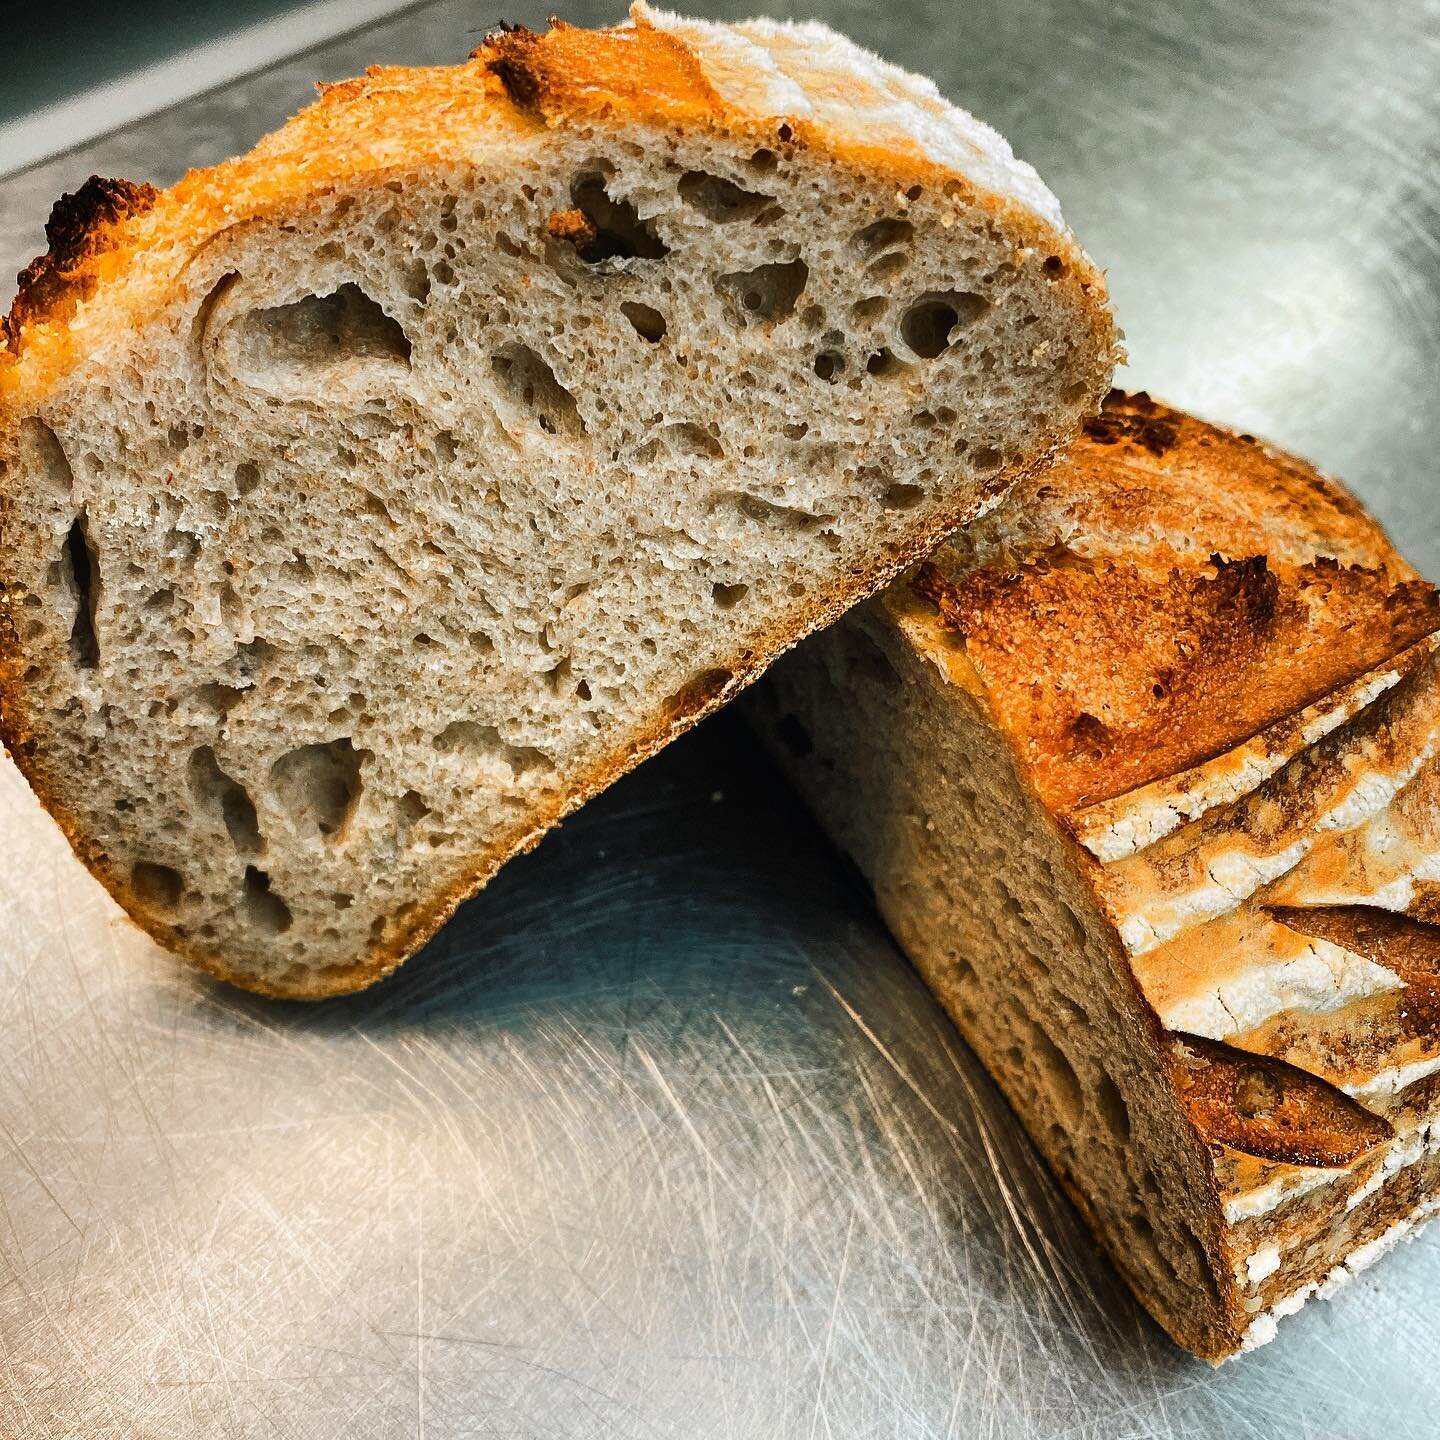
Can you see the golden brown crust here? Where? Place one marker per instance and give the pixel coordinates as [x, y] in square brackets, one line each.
[1146, 475]
[569, 71]
[1137, 660]
[1265, 1107]
[1146, 676]
[394, 118]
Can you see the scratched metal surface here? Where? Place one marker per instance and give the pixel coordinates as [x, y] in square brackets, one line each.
[661, 1138]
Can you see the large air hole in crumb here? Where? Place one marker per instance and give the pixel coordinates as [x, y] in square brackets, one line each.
[1112, 1110]
[227, 798]
[719, 199]
[889, 267]
[484, 742]
[688, 438]
[264, 909]
[1146, 1248]
[44, 456]
[411, 808]
[557, 678]
[80, 569]
[372, 504]
[647, 322]
[931, 324]
[1057, 1076]
[319, 785]
[527, 381]
[829, 365]
[756, 507]
[765, 294]
[885, 364]
[217, 698]
[619, 232]
[727, 597]
[902, 497]
[157, 887]
[882, 235]
[322, 332]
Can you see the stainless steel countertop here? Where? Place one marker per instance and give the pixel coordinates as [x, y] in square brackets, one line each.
[661, 1137]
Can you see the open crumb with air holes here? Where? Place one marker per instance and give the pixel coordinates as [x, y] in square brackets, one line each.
[1180, 897]
[373, 499]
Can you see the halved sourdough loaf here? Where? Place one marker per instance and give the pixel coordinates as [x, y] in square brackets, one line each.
[372, 500]
[1143, 770]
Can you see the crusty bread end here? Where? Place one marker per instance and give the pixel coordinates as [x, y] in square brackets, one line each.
[374, 499]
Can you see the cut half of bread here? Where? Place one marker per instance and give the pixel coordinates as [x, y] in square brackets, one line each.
[1143, 770]
[372, 500]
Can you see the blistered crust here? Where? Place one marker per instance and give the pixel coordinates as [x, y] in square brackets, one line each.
[1137, 613]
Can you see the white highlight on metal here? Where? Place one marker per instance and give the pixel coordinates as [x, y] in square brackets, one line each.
[104, 108]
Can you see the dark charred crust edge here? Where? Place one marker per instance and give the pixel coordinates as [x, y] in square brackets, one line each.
[509, 56]
[1135, 418]
[81, 226]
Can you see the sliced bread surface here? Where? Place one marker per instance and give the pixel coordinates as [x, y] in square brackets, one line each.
[372, 500]
[1144, 768]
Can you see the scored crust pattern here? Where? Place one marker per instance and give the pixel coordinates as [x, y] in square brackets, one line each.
[1230, 696]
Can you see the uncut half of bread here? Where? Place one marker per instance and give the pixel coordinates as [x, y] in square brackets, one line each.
[372, 500]
[1143, 771]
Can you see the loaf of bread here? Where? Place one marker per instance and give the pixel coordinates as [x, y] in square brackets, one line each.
[372, 500]
[1143, 770]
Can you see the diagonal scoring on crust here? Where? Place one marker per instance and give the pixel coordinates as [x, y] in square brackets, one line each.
[1205, 694]
[1265, 1107]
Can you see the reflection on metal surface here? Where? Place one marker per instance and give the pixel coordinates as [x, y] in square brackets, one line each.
[661, 1138]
